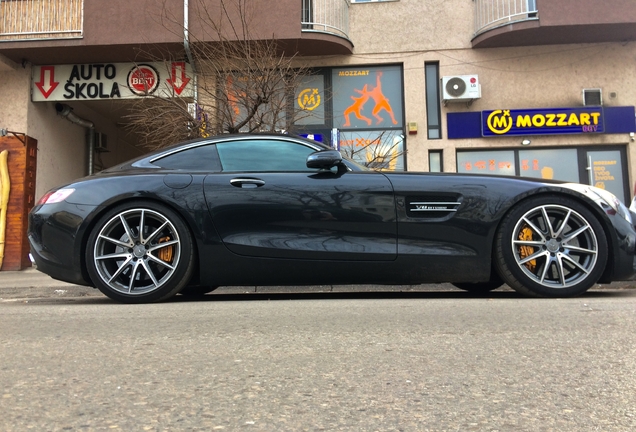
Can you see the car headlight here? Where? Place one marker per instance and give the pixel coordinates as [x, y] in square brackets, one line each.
[613, 202]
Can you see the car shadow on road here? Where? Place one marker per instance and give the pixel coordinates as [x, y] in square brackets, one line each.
[375, 295]
[298, 295]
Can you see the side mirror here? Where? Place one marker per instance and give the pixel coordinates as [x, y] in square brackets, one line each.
[324, 159]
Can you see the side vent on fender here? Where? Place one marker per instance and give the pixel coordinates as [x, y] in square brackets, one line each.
[432, 207]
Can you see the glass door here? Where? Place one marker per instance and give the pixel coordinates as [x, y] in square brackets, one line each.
[605, 171]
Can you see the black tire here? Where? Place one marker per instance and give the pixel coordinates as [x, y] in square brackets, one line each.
[133, 268]
[551, 246]
[479, 287]
[197, 290]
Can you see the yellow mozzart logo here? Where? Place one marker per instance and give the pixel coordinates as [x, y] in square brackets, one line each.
[309, 99]
[501, 122]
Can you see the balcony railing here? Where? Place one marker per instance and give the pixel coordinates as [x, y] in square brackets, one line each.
[326, 16]
[490, 14]
[40, 19]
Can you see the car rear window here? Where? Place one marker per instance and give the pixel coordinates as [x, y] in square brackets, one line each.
[200, 158]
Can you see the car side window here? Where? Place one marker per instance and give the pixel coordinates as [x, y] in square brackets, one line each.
[200, 158]
[264, 155]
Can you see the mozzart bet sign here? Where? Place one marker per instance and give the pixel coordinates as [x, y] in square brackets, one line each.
[542, 121]
[111, 81]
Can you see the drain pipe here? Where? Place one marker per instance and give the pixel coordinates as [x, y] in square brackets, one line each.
[67, 112]
[188, 51]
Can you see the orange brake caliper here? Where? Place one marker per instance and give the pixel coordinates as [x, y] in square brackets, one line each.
[165, 253]
[526, 251]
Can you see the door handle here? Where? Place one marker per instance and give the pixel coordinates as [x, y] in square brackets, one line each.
[247, 182]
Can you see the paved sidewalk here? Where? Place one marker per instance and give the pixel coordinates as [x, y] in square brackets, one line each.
[31, 283]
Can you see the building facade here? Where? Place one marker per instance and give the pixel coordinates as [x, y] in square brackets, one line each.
[517, 87]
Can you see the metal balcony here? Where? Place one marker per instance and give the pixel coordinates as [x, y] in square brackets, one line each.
[326, 16]
[41, 19]
[491, 14]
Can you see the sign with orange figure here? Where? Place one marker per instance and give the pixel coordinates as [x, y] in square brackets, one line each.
[367, 97]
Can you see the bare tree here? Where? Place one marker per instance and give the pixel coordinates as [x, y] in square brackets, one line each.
[244, 81]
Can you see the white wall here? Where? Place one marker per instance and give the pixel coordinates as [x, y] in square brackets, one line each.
[61, 147]
[14, 88]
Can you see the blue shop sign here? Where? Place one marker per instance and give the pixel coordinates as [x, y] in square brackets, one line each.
[553, 121]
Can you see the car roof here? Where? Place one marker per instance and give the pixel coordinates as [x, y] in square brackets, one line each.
[147, 159]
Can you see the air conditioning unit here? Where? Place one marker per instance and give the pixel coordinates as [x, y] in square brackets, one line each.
[593, 97]
[461, 88]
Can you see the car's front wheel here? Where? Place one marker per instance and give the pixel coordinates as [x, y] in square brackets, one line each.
[551, 246]
[139, 253]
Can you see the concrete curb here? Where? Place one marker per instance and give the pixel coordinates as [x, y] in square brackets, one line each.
[30, 283]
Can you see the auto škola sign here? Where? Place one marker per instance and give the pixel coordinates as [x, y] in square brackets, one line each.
[111, 81]
[554, 121]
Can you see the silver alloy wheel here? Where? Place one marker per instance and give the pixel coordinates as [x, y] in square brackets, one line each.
[137, 251]
[555, 246]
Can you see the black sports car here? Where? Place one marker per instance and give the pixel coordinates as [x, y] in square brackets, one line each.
[279, 210]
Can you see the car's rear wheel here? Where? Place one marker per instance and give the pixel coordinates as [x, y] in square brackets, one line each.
[140, 253]
[551, 246]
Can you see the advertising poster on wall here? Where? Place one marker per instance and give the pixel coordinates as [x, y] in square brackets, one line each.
[607, 171]
[309, 101]
[367, 97]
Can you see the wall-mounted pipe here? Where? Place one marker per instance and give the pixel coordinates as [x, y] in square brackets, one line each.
[67, 112]
[186, 46]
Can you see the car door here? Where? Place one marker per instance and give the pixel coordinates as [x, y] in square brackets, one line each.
[266, 203]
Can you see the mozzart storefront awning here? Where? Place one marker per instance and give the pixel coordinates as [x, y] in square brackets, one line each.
[604, 166]
[548, 121]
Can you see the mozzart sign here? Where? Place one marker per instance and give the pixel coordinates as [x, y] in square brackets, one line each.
[552, 121]
[111, 81]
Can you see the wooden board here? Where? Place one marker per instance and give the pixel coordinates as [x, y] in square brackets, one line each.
[22, 169]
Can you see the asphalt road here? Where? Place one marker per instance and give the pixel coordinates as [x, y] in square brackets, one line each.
[411, 361]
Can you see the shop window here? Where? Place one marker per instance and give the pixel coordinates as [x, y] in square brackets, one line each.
[378, 150]
[499, 162]
[433, 110]
[603, 167]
